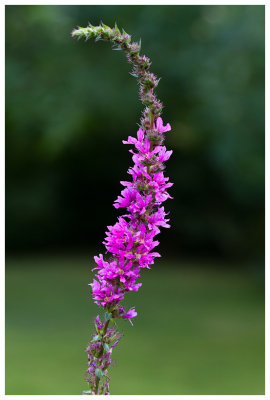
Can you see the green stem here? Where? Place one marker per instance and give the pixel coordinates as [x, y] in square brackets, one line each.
[151, 120]
[100, 354]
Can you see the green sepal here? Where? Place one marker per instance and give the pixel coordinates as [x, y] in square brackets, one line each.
[140, 45]
[116, 28]
[105, 26]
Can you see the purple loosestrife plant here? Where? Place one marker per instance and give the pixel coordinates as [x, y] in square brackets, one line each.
[130, 243]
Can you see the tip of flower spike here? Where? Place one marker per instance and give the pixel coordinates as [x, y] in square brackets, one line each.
[76, 32]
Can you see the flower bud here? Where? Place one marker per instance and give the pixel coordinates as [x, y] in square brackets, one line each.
[154, 137]
[145, 123]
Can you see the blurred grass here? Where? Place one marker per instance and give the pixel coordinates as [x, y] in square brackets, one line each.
[200, 330]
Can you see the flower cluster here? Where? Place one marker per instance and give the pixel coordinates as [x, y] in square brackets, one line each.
[130, 242]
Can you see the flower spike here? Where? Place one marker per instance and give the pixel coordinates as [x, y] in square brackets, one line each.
[130, 242]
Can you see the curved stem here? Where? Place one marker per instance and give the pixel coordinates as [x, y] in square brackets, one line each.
[141, 65]
[152, 137]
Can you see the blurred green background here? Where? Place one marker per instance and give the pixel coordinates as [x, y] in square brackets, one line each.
[200, 328]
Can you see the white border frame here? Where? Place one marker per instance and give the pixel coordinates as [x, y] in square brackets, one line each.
[2, 197]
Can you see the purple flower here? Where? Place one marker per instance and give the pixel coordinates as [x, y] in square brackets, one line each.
[106, 294]
[160, 127]
[138, 143]
[98, 323]
[130, 314]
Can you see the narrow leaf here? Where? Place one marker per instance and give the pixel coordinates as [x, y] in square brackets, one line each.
[99, 373]
[106, 347]
[96, 338]
[107, 316]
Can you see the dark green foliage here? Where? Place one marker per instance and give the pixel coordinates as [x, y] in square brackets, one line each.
[63, 134]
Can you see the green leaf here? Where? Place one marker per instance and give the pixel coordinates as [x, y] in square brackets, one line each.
[106, 347]
[86, 392]
[96, 338]
[107, 316]
[99, 373]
